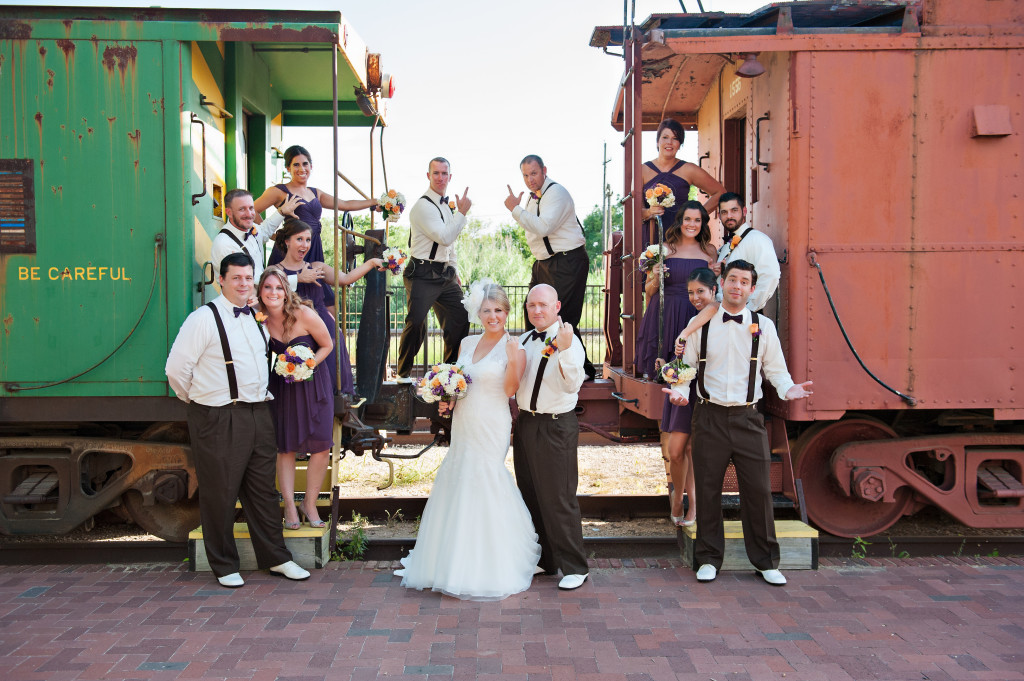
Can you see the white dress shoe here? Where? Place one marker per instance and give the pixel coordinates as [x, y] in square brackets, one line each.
[773, 577]
[707, 573]
[570, 582]
[291, 570]
[403, 380]
[399, 572]
[232, 581]
[538, 570]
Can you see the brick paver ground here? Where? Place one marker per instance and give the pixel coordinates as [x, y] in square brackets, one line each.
[932, 619]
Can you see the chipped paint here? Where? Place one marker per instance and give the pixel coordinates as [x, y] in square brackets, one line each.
[123, 56]
[49, 80]
[15, 30]
[275, 34]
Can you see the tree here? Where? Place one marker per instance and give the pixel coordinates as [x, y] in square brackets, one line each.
[593, 232]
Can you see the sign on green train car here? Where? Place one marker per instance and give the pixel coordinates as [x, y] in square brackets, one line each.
[74, 273]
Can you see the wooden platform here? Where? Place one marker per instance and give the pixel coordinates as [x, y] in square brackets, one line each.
[309, 547]
[798, 546]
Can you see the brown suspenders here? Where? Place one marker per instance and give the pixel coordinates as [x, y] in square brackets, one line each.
[755, 341]
[547, 242]
[433, 249]
[229, 363]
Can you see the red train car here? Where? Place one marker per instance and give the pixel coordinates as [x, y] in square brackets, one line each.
[881, 149]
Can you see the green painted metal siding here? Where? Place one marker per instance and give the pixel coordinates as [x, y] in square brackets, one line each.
[90, 114]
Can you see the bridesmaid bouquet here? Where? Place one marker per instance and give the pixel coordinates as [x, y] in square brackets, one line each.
[295, 364]
[394, 259]
[392, 204]
[651, 256]
[660, 195]
[444, 382]
[677, 372]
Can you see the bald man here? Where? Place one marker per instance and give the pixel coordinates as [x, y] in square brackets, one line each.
[547, 435]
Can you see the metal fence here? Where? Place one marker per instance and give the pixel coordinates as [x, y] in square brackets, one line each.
[591, 324]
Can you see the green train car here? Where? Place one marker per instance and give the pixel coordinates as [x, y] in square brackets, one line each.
[120, 131]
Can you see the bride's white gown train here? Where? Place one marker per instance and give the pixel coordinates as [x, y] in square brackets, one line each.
[476, 540]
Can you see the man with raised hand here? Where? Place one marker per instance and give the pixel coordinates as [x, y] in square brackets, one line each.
[730, 352]
[431, 279]
[218, 366]
[547, 436]
[555, 237]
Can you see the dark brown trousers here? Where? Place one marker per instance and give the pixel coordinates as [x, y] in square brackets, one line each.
[235, 454]
[544, 454]
[721, 434]
[427, 287]
[567, 274]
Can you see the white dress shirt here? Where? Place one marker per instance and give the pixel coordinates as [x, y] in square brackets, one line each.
[554, 217]
[254, 245]
[430, 222]
[757, 249]
[196, 370]
[728, 360]
[558, 392]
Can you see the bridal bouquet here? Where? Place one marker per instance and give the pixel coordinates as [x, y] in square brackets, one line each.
[651, 256]
[394, 259]
[444, 382]
[677, 372]
[660, 195]
[392, 204]
[295, 364]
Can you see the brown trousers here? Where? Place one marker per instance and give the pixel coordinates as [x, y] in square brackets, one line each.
[567, 274]
[544, 454]
[721, 434]
[427, 287]
[236, 458]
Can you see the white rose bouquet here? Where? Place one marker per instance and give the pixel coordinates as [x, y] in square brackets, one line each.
[295, 364]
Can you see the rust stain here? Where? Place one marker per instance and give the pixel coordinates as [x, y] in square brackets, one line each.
[95, 44]
[67, 25]
[42, 50]
[49, 81]
[123, 56]
[89, 130]
[59, 189]
[277, 33]
[112, 119]
[135, 138]
[39, 121]
[68, 47]
[8, 321]
[15, 30]
[136, 164]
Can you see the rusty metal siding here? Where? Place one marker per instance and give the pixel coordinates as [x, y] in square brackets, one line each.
[89, 113]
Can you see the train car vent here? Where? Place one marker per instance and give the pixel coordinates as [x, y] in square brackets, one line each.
[17, 206]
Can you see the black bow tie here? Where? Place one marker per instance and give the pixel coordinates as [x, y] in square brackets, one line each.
[444, 200]
[537, 335]
[242, 310]
[726, 317]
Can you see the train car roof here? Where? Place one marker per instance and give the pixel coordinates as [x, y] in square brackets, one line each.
[684, 53]
[296, 46]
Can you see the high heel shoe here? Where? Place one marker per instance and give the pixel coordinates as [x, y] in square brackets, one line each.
[315, 524]
[292, 526]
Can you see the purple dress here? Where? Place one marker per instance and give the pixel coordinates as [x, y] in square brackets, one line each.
[309, 212]
[303, 411]
[678, 312]
[680, 189]
[314, 293]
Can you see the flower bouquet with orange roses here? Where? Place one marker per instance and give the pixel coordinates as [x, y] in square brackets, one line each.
[392, 204]
[660, 195]
[444, 382]
[394, 259]
[295, 364]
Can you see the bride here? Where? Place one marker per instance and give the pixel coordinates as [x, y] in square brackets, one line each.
[476, 540]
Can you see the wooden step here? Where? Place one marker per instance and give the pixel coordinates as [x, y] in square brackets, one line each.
[798, 546]
[309, 546]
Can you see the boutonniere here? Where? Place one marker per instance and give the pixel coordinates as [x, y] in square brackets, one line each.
[735, 241]
[549, 347]
[261, 318]
[452, 207]
[755, 330]
[254, 231]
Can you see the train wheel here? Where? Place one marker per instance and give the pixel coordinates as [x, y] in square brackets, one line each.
[827, 506]
[172, 522]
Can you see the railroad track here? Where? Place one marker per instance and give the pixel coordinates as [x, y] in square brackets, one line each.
[607, 507]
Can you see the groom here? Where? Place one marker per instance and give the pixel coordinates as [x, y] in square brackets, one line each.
[547, 434]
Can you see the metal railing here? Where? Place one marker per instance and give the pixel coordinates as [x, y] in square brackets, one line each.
[591, 324]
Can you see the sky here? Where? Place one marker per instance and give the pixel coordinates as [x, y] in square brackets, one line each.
[483, 84]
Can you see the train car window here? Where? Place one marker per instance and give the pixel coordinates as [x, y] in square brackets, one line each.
[17, 206]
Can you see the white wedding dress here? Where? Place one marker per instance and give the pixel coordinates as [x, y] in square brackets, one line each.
[476, 539]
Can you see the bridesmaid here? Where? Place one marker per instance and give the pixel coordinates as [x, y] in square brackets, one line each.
[303, 411]
[677, 175]
[293, 242]
[305, 203]
[689, 245]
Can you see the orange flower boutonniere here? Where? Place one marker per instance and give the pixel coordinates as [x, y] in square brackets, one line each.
[755, 330]
[452, 207]
[735, 241]
[260, 317]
